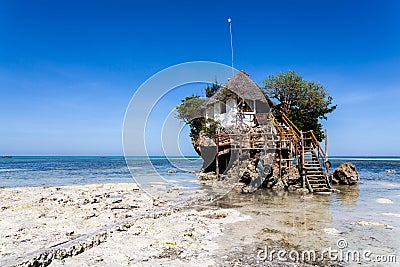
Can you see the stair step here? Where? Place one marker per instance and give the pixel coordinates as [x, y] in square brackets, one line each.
[316, 183]
[322, 187]
[323, 190]
[315, 177]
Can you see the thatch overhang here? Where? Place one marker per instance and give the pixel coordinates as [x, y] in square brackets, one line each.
[239, 85]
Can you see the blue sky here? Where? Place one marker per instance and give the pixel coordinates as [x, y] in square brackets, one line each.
[68, 69]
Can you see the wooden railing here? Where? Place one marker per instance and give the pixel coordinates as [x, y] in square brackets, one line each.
[321, 155]
[255, 140]
[292, 132]
[291, 125]
[286, 132]
[295, 135]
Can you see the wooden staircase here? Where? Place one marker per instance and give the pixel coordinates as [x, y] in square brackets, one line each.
[290, 143]
[311, 158]
[313, 169]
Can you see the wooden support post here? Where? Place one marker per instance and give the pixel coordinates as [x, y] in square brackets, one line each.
[326, 152]
[226, 160]
[280, 156]
[217, 157]
[302, 160]
[326, 144]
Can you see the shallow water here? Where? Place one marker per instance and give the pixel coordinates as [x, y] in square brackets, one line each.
[349, 222]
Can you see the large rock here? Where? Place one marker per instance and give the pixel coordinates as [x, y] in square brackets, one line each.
[346, 174]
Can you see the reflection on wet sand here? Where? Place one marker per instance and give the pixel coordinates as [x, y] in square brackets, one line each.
[300, 222]
[280, 220]
[348, 195]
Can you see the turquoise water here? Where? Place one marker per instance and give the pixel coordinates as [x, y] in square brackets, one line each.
[69, 170]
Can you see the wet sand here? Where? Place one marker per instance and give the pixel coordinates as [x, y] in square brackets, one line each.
[38, 217]
[107, 224]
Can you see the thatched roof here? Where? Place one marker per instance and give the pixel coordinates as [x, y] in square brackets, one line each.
[240, 85]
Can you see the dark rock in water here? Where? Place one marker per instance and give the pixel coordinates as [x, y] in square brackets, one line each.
[345, 174]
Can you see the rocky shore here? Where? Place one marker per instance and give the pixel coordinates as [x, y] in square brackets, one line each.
[106, 225]
[34, 218]
[116, 224]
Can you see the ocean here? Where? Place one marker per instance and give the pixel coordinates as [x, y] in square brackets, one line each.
[71, 170]
[366, 215]
[21, 171]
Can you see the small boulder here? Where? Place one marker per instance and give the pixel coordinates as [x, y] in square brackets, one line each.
[345, 174]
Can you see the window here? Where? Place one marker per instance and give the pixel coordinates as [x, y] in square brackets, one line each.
[247, 105]
[223, 107]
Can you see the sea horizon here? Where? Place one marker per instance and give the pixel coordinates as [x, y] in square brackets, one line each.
[62, 170]
[354, 157]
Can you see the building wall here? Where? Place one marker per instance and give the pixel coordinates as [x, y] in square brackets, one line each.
[210, 112]
[226, 113]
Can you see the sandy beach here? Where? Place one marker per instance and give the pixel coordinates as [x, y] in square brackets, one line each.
[103, 225]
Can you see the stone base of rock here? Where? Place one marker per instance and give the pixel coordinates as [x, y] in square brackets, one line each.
[250, 177]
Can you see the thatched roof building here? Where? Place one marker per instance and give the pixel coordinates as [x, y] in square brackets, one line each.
[241, 86]
[240, 96]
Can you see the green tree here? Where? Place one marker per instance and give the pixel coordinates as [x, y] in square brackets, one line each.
[211, 90]
[210, 127]
[304, 102]
[190, 112]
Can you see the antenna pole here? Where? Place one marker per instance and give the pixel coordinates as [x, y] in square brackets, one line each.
[230, 31]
